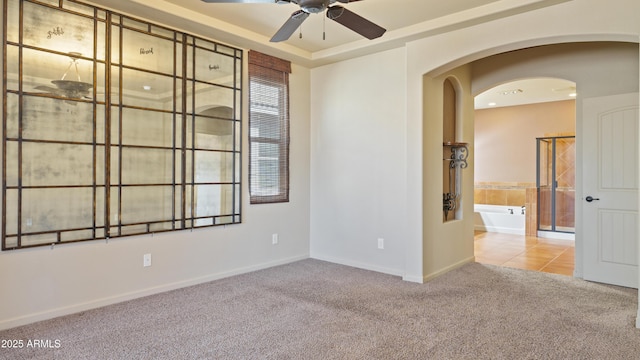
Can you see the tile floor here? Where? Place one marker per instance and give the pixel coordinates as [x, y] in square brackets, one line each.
[525, 252]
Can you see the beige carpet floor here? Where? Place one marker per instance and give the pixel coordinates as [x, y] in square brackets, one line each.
[318, 310]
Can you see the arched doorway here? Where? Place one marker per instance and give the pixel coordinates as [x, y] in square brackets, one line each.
[529, 125]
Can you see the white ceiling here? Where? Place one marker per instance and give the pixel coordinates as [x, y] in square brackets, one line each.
[526, 91]
[252, 25]
[392, 15]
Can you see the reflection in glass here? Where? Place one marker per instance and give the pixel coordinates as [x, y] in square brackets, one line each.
[98, 149]
[67, 76]
[213, 167]
[147, 90]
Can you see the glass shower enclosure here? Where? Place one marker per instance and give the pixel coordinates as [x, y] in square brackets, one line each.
[556, 183]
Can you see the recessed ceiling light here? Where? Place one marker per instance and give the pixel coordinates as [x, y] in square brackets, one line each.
[511, 92]
[492, 104]
[573, 94]
[147, 87]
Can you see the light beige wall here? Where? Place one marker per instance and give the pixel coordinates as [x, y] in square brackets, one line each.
[446, 245]
[358, 162]
[41, 283]
[505, 138]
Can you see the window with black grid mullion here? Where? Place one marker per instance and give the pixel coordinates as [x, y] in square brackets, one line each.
[269, 137]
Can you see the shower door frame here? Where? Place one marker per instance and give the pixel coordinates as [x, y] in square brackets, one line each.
[554, 185]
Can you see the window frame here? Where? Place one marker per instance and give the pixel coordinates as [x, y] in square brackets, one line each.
[269, 72]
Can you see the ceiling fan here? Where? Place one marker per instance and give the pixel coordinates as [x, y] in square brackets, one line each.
[336, 13]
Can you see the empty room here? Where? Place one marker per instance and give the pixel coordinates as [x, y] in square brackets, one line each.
[262, 179]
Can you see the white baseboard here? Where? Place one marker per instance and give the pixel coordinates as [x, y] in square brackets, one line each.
[498, 229]
[415, 279]
[355, 264]
[449, 268]
[97, 303]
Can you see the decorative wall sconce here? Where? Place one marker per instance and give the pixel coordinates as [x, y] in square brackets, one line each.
[457, 162]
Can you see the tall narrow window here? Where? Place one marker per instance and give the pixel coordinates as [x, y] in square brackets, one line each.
[268, 128]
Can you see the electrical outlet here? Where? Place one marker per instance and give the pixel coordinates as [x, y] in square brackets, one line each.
[29, 222]
[380, 243]
[146, 260]
[274, 239]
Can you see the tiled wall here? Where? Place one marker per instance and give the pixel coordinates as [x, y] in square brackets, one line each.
[501, 193]
[511, 194]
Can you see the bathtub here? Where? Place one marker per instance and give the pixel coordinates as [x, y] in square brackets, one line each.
[499, 218]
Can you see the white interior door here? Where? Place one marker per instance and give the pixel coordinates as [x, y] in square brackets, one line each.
[610, 185]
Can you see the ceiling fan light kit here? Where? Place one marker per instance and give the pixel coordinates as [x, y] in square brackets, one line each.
[336, 13]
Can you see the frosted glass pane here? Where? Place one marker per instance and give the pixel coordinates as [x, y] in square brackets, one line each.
[212, 166]
[79, 8]
[45, 164]
[12, 163]
[213, 134]
[13, 68]
[214, 68]
[213, 200]
[208, 96]
[147, 52]
[55, 120]
[134, 24]
[13, 17]
[146, 204]
[238, 74]
[76, 235]
[147, 90]
[57, 30]
[56, 209]
[115, 43]
[163, 32]
[147, 166]
[12, 119]
[12, 212]
[148, 128]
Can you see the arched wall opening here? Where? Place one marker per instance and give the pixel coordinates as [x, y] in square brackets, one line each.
[598, 68]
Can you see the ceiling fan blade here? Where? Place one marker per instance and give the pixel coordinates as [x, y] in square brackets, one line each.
[355, 22]
[240, 1]
[347, 1]
[289, 27]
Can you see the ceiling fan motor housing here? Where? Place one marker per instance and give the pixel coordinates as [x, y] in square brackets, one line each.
[313, 6]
